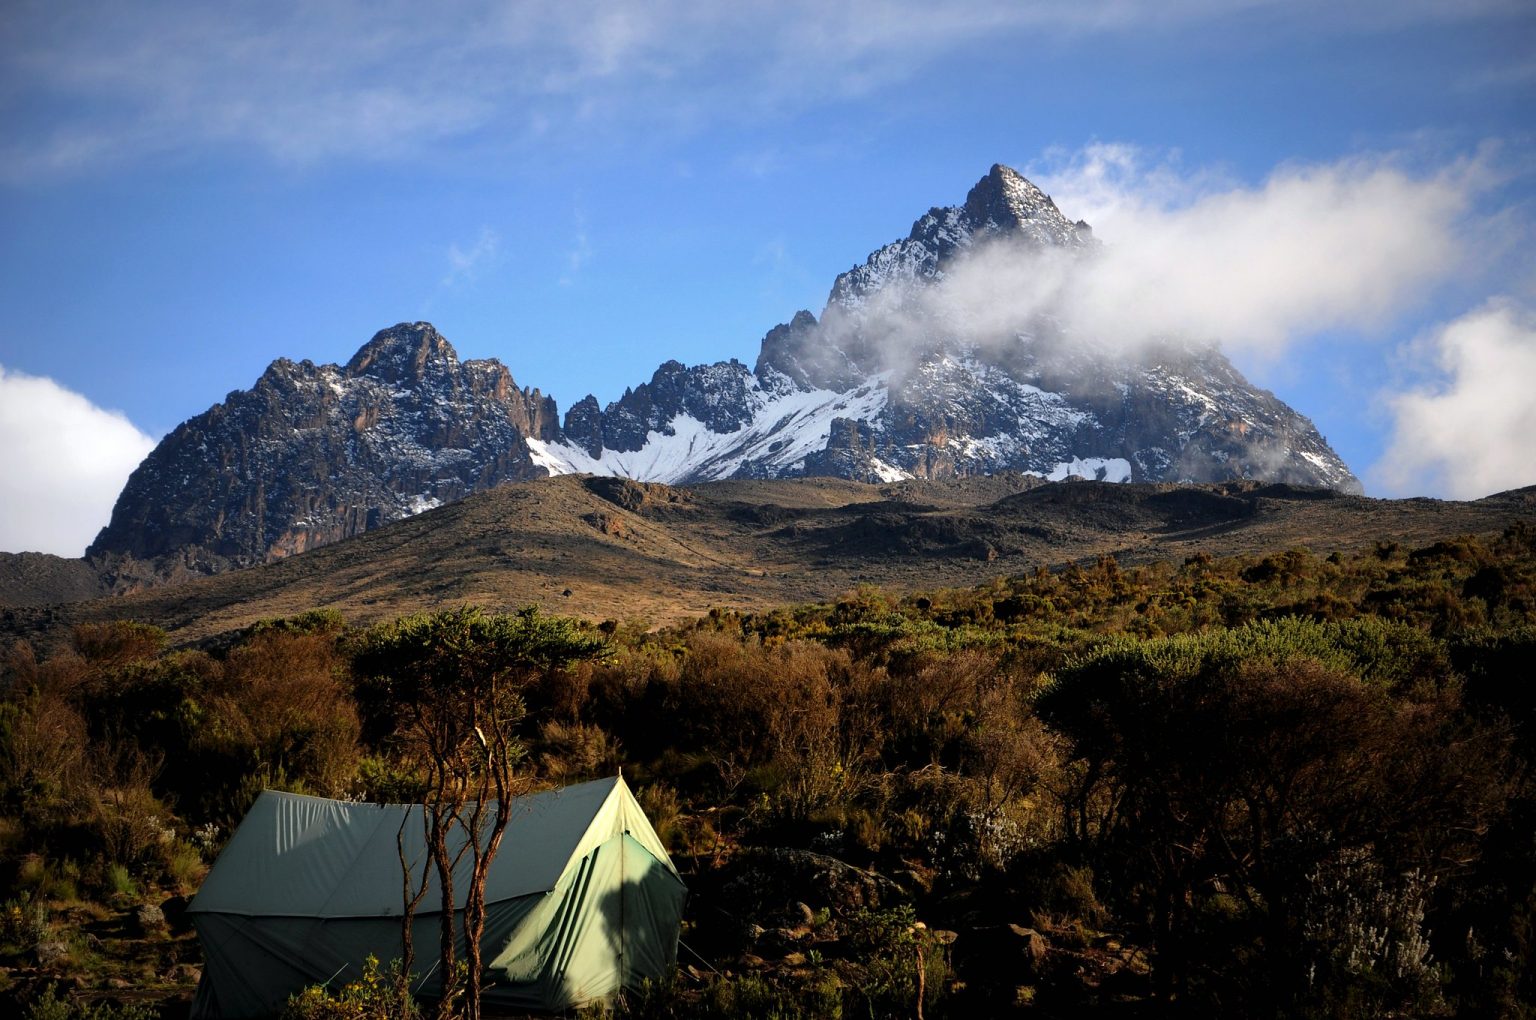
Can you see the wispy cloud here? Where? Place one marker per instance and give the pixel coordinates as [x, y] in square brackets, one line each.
[1352, 244]
[579, 253]
[1362, 249]
[465, 262]
[760, 163]
[63, 460]
[87, 87]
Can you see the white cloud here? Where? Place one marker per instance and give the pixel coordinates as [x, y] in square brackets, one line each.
[63, 461]
[1361, 250]
[1101, 179]
[466, 262]
[87, 87]
[579, 253]
[1473, 432]
[1354, 245]
[1347, 245]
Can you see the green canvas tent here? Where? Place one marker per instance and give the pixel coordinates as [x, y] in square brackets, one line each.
[581, 900]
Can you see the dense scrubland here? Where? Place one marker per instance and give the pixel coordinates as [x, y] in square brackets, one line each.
[1290, 785]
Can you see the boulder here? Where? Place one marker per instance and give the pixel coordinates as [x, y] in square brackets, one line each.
[51, 953]
[149, 919]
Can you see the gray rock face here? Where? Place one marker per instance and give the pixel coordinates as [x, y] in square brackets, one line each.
[714, 395]
[1001, 205]
[584, 425]
[316, 453]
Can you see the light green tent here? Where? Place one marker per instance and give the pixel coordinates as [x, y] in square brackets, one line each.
[581, 900]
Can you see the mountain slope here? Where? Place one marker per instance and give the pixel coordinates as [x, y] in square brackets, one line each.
[609, 548]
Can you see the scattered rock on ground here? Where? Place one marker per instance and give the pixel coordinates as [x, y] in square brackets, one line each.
[779, 941]
[1002, 949]
[50, 953]
[149, 919]
[184, 974]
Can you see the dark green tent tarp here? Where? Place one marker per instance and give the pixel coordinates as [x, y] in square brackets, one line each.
[581, 900]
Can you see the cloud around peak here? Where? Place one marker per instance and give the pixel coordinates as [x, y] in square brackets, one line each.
[1353, 244]
[1363, 251]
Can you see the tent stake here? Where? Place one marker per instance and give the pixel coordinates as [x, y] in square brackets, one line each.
[701, 959]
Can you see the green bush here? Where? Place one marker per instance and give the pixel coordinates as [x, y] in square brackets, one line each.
[895, 954]
[23, 924]
[382, 780]
[662, 806]
[374, 995]
[49, 1005]
[119, 883]
[184, 866]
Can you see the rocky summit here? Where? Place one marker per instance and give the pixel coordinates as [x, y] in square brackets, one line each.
[898, 378]
[316, 453]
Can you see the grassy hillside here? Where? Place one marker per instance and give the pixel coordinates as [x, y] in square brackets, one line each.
[607, 548]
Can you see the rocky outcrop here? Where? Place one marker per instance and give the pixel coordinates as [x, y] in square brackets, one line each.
[714, 396]
[316, 453]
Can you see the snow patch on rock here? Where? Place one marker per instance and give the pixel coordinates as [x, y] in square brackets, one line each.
[1103, 469]
[783, 430]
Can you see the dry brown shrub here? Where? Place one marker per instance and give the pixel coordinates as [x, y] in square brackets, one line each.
[1010, 753]
[118, 642]
[284, 693]
[801, 721]
[930, 701]
[133, 826]
[64, 674]
[572, 752]
[741, 702]
[808, 711]
[563, 692]
[18, 668]
[47, 750]
[631, 671]
[663, 808]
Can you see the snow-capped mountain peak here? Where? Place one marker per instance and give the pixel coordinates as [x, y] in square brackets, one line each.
[1005, 200]
[880, 387]
[1038, 401]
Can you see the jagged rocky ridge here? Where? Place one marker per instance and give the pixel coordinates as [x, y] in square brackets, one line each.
[316, 453]
[879, 388]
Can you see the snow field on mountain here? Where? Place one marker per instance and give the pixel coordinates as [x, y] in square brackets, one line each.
[1103, 469]
[784, 429]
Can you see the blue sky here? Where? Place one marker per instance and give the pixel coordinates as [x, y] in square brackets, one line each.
[582, 190]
